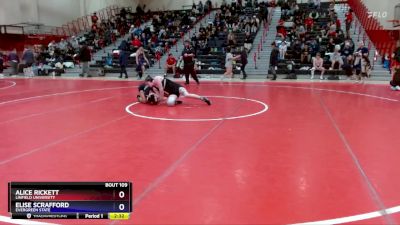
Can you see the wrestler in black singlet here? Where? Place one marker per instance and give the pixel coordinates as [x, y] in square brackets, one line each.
[170, 87]
[146, 89]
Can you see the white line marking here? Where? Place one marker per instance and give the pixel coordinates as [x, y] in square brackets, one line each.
[312, 88]
[343, 92]
[372, 191]
[56, 110]
[241, 84]
[22, 222]
[168, 171]
[61, 140]
[12, 85]
[359, 217]
[61, 93]
[101, 99]
[127, 109]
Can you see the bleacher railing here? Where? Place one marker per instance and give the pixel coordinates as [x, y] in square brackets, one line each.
[84, 23]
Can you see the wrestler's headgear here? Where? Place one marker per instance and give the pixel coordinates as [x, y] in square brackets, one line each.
[152, 99]
[148, 79]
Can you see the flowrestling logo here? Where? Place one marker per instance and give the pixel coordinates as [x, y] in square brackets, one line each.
[372, 14]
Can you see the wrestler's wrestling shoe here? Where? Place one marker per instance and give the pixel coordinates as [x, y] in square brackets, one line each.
[206, 100]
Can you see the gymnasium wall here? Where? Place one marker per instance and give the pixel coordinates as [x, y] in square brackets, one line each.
[53, 12]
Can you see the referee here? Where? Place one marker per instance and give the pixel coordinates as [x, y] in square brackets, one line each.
[188, 55]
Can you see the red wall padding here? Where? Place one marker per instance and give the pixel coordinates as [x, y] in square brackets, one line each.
[19, 41]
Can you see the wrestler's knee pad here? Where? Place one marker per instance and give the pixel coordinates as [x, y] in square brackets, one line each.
[171, 101]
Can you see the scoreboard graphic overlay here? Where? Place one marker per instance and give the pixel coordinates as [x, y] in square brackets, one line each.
[70, 200]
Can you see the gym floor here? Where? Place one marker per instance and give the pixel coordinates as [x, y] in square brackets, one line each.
[262, 153]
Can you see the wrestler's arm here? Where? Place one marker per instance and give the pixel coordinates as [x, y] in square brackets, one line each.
[141, 97]
[158, 84]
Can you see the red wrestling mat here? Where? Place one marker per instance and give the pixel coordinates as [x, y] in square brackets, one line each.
[263, 153]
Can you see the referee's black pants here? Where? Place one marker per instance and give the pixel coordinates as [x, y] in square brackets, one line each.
[189, 69]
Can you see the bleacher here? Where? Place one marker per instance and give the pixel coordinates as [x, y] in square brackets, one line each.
[213, 62]
[320, 23]
[173, 24]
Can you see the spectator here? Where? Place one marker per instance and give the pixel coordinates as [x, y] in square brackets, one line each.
[139, 9]
[144, 40]
[332, 9]
[141, 62]
[123, 45]
[331, 45]
[348, 21]
[265, 15]
[209, 5]
[309, 22]
[243, 60]
[94, 18]
[361, 51]
[136, 43]
[285, 8]
[254, 25]
[28, 58]
[395, 67]
[188, 54]
[108, 61]
[74, 42]
[95, 28]
[123, 63]
[395, 82]
[338, 24]
[347, 49]
[170, 64]
[137, 31]
[386, 61]
[85, 58]
[365, 68]
[332, 32]
[348, 66]
[13, 61]
[296, 47]
[273, 60]
[132, 30]
[314, 47]
[301, 32]
[122, 13]
[231, 39]
[1, 64]
[200, 7]
[282, 33]
[52, 47]
[282, 50]
[305, 55]
[62, 45]
[248, 41]
[336, 59]
[228, 63]
[317, 4]
[310, 3]
[318, 64]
